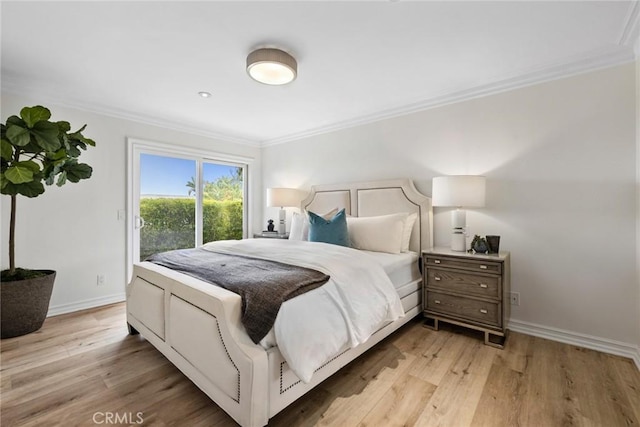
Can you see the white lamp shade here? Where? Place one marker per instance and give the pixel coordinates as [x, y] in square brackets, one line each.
[459, 191]
[283, 197]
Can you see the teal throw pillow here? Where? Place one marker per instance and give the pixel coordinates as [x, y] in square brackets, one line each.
[332, 231]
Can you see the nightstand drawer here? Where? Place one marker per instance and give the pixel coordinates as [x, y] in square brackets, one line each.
[465, 264]
[466, 283]
[466, 308]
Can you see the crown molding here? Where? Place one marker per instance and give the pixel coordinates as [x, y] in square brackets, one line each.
[16, 89]
[631, 29]
[579, 65]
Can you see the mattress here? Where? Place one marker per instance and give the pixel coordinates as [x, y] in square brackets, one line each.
[401, 268]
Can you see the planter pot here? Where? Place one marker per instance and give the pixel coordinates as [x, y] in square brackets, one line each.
[24, 304]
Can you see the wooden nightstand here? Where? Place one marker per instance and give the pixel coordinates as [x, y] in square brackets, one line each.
[270, 236]
[469, 290]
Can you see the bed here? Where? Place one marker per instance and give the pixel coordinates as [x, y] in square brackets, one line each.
[197, 325]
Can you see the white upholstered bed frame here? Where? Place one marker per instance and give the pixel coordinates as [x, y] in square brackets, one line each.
[197, 325]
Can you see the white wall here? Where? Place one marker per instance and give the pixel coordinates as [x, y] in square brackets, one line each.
[560, 164]
[637, 53]
[74, 229]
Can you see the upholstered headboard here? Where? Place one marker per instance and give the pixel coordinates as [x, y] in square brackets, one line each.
[377, 198]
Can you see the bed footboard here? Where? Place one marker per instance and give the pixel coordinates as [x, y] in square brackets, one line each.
[195, 325]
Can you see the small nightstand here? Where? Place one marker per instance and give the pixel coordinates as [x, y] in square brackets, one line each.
[270, 236]
[469, 290]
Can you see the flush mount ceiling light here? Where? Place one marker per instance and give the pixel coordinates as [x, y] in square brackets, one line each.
[272, 66]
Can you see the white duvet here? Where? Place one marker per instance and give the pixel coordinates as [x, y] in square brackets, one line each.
[312, 328]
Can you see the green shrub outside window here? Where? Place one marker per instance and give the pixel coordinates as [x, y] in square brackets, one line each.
[170, 223]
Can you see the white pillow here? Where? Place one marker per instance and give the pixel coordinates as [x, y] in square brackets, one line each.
[297, 222]
[300, 224]
[378, 233]
[408, 228]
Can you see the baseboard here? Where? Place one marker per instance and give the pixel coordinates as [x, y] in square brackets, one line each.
[604, 345]
[83, 305]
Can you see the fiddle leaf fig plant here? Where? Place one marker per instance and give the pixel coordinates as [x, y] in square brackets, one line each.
[36, 151]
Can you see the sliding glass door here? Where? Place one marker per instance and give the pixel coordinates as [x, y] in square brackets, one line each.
[222, 201]
[167, 205]
[182, 199]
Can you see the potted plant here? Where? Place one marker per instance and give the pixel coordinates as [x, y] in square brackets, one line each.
[34, 151]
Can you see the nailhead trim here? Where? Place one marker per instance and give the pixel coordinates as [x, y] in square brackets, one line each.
[283, 390]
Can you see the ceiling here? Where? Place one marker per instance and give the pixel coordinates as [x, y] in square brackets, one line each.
[358, 61]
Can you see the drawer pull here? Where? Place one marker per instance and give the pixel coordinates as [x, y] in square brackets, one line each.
[437, 278]
[483, 311]
[436, 261]
[437, 301]
[483, 267]
[483, 285]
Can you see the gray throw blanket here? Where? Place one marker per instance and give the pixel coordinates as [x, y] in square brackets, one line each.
[263, 285]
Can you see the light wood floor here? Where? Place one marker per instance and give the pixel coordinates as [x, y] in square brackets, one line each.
[85, 363]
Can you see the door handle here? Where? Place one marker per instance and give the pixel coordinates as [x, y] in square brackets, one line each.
[139, 223]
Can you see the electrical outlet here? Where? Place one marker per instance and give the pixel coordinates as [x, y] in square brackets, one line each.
[121, 215]
[101, 279]
[515, 298]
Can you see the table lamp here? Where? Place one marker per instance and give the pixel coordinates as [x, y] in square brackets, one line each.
[283, 198]
[459, 191]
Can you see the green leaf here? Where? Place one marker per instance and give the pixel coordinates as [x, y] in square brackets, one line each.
[46, 134]
[17, 121]
[33, 115]
[18, 135]
[64, 126]
[6, 187]
[6, 150]
[62, 179]
[29, 189]
[19, 174]
[58, 155]
[77, 135]
[74, 152]
[50, 171]
[30, 164]
[78, 171]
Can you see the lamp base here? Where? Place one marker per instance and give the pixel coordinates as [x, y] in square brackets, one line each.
[458, 241]
[282, 224]
[458, 218]
[459, 224]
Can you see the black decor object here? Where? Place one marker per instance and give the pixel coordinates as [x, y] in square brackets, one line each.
[494, 244]
[270, 226]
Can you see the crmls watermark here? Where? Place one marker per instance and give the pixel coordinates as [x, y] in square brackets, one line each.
[118, 418]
